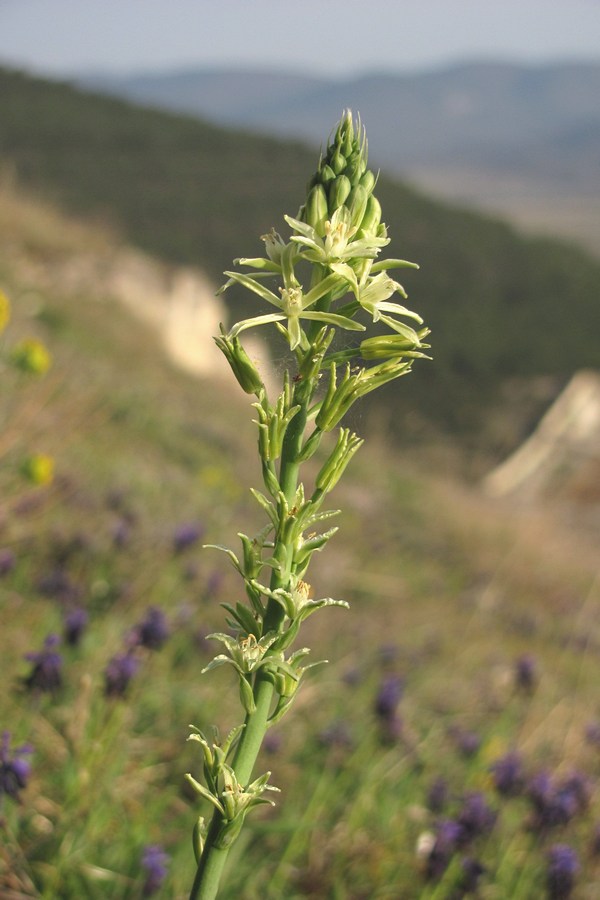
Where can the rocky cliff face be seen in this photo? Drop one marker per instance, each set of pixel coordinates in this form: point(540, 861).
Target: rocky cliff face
point(560, 461)
point(52, 252)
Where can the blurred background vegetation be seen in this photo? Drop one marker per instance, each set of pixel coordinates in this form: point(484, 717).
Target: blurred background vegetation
point(482, 614)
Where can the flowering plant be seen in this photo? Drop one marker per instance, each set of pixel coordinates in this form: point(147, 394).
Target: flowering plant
point(326, 276)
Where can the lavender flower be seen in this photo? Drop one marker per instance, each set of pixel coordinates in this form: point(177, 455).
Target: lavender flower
point(272, 742)
point(74, 625)
point(14, 769)
point(59, 585)
point(472, 870)
point(118, 673)
point(446, 842)
point(388, 697)
point(336, 734)
point(507, 774)
point(46, 674)
point(475, 818)
point(437, 796)
point(186, 535)
point(121, 534)
point(7, 561)
point(154, 861)
point(563, 866)
point(556, 804)
point(386, 703)
point(592, 734)
point(526, 673)
point(467, 742)
point(153, 630)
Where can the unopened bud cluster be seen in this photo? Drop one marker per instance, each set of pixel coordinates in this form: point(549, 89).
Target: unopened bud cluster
point(343, 180)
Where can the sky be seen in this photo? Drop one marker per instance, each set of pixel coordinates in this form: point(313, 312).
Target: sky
point(326, 37)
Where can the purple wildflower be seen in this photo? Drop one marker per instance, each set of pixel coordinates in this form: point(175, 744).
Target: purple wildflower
point(7, 561)
point(336, 734)
point(437, 796)
point(121, 534)
point(526, 673)
point(352, 676)
point(592, 734)
point(14, 769)
point(556, 804)
point(472, 870)
point(446, 842)
point(74, 625)
point(386, 703)
point(475, 818)
point(118, 673)
point(388, 654)
point(214, 583)
point(59, 585)
point(153, 630)
point(467, 742)
point(507, 774)
point(388, 697)
point(46, 674)
point(272, 742)
point(154, 861)
point(186, 535)
point(563, 866)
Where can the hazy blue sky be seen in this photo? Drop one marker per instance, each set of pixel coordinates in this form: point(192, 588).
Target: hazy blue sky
point(324, 36)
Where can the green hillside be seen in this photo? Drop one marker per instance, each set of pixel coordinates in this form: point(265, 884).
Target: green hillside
point(448, 598)
point(500, 306)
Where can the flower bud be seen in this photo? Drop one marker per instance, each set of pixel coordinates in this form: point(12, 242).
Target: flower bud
point(316, 211)
point(333, 468)
point(368, 181)
point(355, 169)
point(242, 366)
point(388, 346)
point(338, 193)
point(357, 204)
point(325, 174)
point(372, 216)
point(338, 163)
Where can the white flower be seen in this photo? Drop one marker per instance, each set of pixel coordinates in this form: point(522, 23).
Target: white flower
point(338, 244)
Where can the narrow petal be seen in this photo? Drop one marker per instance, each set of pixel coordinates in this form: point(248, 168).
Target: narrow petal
point(253, 323)
point(399, 310)
point(258, 262)
point(294, 332)
point(305, 229)
point(320, 289)
point(334, 319)
point(347, 273)
point(248, 282)
point(385, 264)
point(401, 328)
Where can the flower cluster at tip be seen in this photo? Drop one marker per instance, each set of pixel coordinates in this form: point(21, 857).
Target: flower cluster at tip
point(339, 232)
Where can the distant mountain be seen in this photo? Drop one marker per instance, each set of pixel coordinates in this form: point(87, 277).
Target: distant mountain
point(520, 140)
point(481, 113)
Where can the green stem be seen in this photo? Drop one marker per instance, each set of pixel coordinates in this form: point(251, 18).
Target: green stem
point(213, 859)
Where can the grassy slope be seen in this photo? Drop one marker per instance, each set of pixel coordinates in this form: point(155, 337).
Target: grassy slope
point(453, 591)
point(500, 306)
